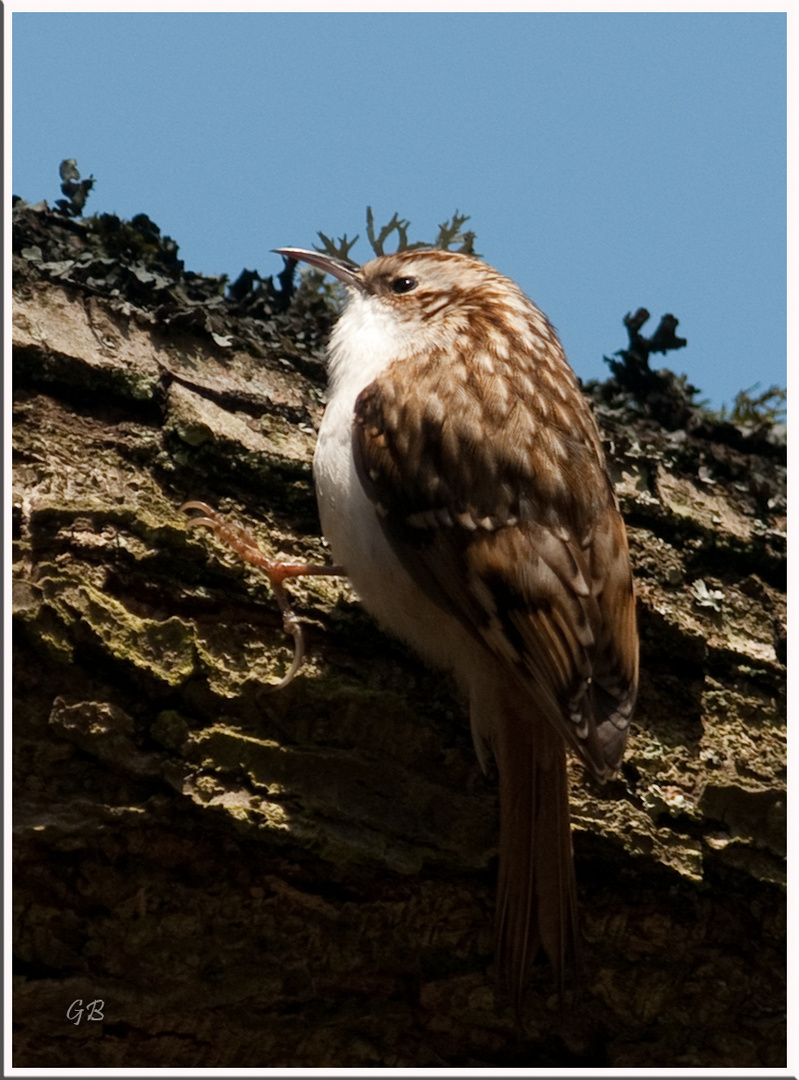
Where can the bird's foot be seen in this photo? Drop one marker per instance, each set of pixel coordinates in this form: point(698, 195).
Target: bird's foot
point(245, 544)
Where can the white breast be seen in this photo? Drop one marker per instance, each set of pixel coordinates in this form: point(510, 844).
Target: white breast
point(364, 342)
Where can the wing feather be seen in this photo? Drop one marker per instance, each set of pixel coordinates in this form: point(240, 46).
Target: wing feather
point(527, 549)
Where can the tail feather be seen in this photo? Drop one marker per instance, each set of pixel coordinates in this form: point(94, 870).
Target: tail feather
point(536, 896)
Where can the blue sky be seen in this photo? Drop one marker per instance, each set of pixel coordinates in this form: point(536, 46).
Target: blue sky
point(608, 161)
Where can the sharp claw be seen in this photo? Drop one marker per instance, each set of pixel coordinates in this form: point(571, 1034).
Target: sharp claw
point(292, 625)
point(204, 521)
point(210, 517)
point(193, 505)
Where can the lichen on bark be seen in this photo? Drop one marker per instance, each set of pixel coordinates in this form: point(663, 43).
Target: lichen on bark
point(306, 878)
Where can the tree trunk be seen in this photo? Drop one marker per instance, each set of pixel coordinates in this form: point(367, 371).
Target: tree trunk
point(226, 876)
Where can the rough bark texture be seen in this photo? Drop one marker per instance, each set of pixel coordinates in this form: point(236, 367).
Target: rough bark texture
point(306, 878)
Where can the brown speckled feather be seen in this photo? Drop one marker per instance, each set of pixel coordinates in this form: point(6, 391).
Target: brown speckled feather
point(521, 539)
point(534, 530)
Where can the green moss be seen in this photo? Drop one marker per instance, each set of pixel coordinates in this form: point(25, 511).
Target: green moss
point(164, 649)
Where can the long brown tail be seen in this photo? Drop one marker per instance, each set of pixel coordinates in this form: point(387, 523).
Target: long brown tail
point(536, 895)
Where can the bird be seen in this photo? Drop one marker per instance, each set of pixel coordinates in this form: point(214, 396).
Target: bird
point(462, 487)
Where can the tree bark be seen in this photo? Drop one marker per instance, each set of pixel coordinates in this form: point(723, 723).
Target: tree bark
point(305, 878)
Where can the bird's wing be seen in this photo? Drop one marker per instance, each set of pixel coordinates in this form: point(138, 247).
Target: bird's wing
point(508, 520)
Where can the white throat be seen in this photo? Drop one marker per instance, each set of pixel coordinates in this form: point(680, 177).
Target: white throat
point(366, 339)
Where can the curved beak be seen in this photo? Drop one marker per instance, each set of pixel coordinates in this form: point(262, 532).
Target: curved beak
point(344, 271)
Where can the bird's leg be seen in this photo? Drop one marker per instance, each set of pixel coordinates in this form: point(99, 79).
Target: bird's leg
point(247, 547)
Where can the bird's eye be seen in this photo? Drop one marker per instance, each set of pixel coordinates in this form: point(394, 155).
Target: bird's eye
point(403, 284)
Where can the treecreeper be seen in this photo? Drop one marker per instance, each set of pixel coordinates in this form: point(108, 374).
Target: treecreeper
point(463, 489)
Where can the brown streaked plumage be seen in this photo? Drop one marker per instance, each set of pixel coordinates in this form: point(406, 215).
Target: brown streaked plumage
point(462, 486)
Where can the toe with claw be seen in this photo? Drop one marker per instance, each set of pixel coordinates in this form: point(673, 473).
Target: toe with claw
point(247, 547)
